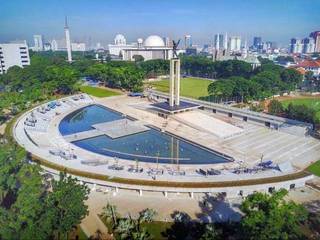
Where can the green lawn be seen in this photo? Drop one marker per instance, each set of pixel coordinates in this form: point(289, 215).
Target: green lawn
point(312, 102)
point(156, 229)
point(98, 92)
point(190, 87)
point(315, 168)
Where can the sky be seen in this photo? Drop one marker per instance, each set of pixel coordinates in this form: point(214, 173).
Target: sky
point(101, 20)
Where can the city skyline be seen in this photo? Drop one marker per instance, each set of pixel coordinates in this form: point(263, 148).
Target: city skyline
point(100, 21)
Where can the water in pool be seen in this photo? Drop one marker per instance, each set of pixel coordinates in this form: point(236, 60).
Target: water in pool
point(149, 146)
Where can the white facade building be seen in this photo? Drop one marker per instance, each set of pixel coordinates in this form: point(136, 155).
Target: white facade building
point(78, 47)
point(13, 54)
point(152, 48)
point(38, 43)
point(235, 44)
point(120, 43)
point(54, 45)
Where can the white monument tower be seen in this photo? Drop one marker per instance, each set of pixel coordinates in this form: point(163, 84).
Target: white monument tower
point(68, 41)
point(174, 97)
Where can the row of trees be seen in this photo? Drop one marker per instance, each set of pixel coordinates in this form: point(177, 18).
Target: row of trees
point(204, 67)
point(32, 208)
point(125, 75)
point(294, 111)
point(128, 228)
point(265, 81)
point(265, 216)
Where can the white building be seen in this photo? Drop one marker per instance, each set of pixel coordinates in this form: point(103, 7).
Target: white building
point(235, 44)
point(119, 44)
point(152, 48)
point(78, 47)
point(38, 43)
point(54, 45)
point(13, 54)
point(47, 46)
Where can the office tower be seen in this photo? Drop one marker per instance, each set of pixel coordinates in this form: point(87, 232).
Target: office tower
point(38, 43)
point(187, 41)
point(316, 36)
point(225, 44)
point(308, 45)
point(13, 54)
point(219, 41)
point(68, 41)
point(235, 43)
point(296, 45)
point(257, 42)
point(167, 41)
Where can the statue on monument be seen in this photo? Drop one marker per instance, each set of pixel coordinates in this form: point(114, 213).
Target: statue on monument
point(175, 46)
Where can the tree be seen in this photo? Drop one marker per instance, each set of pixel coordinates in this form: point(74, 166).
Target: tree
point(221, 88)
point(61, 79)
point(271, 217)
point(210, 232)
point(308, 75)
point(147, 215)
point(275, 107)
point(110, 212)
point(291, 77)
point(66, 204)
point(302, 113)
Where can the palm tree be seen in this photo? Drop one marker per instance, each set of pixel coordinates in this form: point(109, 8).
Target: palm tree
point(125, 228)
point(110, 211)
point(147, 215)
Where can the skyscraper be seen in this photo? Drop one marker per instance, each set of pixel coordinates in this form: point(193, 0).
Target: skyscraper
point(68, 41)
point(296, 45)
point(225, 44)
point(219, 41)
point(316, 36)
point(235, 43)
point(38, 43)
point(257, 41)
point(187, 41)
point(308, 45)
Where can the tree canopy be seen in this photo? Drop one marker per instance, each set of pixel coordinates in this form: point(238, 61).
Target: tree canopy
point(271, 217)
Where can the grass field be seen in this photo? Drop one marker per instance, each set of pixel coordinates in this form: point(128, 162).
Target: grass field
point(190, 87)
point(312, 102)
point(315, 168)
point(98, 92)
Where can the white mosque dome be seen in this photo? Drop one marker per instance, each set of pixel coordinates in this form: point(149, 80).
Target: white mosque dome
point(154, 41)
point(119, 40)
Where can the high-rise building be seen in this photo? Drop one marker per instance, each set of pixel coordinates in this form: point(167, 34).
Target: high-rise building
point(296, 46)
point(257, 42)
point(225, 44)
point(38, 43)
point(187, 41)
point(235, 43)
point(13, 54)
point(68, 40)
point(167, 41)
point(54, 45)
point(219, 42)
point(316, 36)
point(308, 45)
